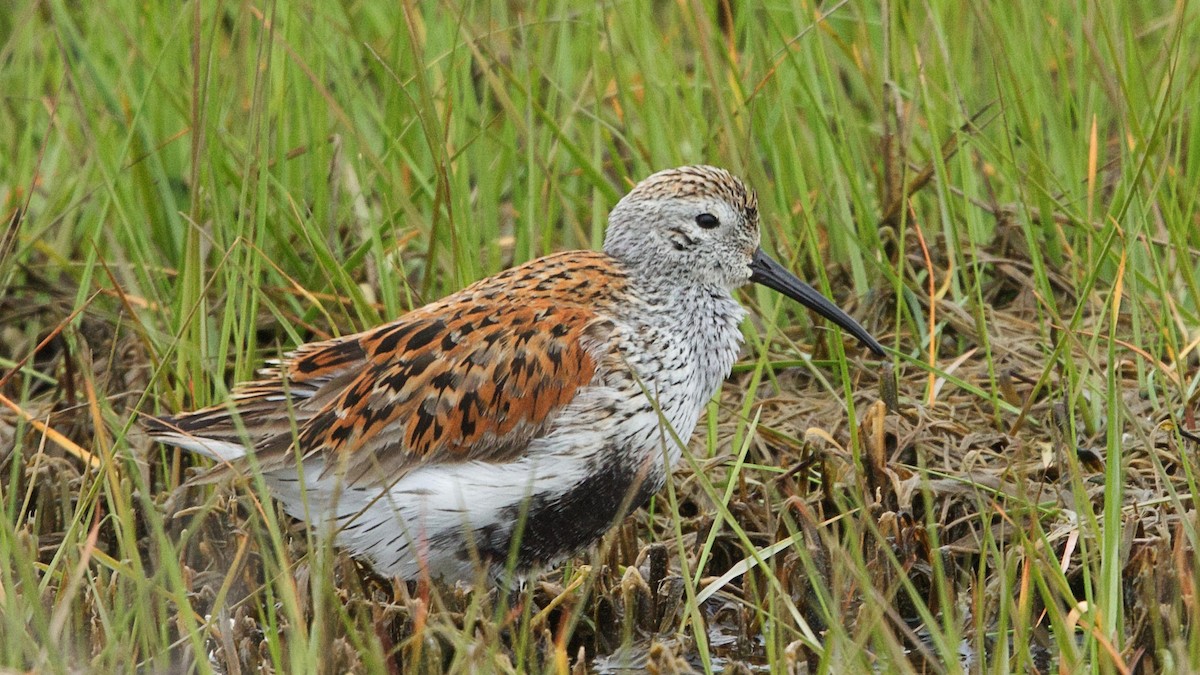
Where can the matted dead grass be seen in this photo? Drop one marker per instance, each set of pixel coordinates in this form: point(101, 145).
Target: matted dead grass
point(947, 498)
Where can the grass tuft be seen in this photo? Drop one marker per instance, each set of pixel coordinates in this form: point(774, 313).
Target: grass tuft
point(1004, 192)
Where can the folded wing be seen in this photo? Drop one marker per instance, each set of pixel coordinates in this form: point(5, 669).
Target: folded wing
point(454, 381)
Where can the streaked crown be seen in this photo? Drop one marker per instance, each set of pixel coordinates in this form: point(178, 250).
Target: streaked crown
point(696, 224)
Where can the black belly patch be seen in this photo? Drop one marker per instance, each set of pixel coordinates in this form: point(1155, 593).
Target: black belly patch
point(552, 528)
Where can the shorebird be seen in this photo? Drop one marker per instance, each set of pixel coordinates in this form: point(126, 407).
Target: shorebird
point(509, 425)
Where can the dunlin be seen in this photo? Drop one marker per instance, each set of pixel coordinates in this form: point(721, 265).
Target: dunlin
point(512, 423)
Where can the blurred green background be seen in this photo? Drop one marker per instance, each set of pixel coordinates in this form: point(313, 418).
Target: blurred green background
point(189, 188)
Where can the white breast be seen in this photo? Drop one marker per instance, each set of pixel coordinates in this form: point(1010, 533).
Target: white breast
point(683, 345)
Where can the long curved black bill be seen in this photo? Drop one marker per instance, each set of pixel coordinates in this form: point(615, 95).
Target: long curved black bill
point(764, 270)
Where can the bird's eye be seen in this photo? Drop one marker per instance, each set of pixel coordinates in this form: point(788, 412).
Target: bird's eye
point(707, 220)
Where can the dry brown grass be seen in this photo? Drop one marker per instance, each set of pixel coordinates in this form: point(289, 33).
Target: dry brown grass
point(948, 497)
